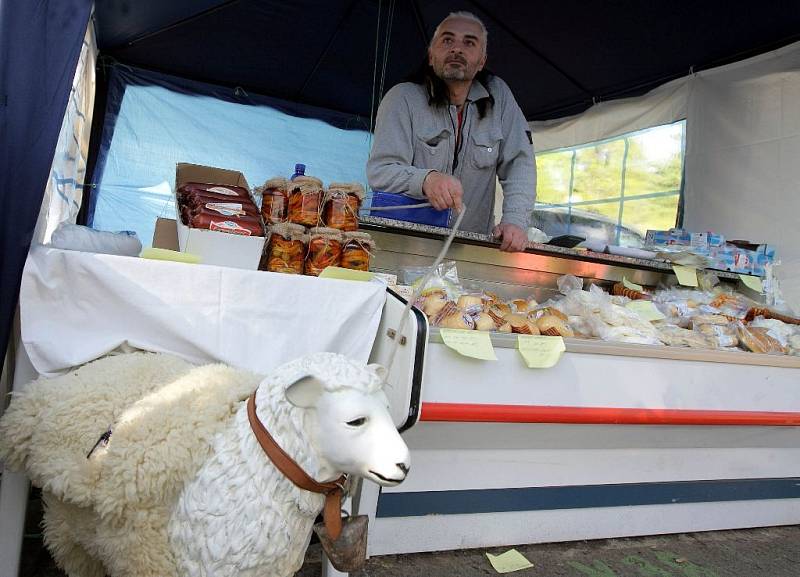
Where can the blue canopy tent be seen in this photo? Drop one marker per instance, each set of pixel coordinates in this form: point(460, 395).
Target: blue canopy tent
point(337, 58)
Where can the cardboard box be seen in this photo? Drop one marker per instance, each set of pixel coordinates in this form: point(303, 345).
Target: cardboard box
point(214, 247)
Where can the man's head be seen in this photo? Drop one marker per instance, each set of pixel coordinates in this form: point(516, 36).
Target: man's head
point(458, 48)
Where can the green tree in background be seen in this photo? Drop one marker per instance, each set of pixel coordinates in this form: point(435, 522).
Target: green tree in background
point(652, 163)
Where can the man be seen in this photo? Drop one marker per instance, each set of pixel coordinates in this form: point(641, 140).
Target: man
point(447, 137)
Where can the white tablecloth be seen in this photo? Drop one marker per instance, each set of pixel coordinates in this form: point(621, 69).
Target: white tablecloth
point(76, 307)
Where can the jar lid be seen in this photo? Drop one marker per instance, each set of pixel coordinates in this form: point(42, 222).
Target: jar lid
point(362, 238)
point(325, 232)
point(348, 188)
point(289, 230)
point(300, 181)
point(276, 182)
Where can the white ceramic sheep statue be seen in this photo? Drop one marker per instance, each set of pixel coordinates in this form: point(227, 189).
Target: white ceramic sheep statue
point(182, 487)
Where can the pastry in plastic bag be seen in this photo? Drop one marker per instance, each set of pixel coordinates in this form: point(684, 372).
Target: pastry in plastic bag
point(554, 326)
point(757, 340)
point(675, 336)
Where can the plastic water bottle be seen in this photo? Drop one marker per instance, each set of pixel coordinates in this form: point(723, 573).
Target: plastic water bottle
point(299, 170)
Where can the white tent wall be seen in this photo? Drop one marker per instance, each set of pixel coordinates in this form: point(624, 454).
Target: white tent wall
point(62, 197)
point(742, 165)
point(743, 156)
point(662, 105)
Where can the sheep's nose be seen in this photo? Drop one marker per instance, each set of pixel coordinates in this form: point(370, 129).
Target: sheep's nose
point(403, 467)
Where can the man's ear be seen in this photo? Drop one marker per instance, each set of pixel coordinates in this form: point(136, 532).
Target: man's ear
point(482, 63)
point(305, 392)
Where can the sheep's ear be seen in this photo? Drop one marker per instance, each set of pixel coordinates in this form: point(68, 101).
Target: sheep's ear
point(305, 392)
point(379, 370)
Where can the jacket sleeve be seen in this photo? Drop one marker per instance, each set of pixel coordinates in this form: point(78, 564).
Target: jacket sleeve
point(389, 166)
point(517, 167)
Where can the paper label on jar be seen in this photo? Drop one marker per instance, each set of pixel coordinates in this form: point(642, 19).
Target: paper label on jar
point(230, 227)
point(226, 208)
point(223, 190)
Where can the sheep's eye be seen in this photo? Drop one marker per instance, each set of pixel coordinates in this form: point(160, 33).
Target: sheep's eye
point(357, 422)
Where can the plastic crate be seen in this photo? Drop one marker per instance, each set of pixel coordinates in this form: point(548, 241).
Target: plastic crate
point(427, 215)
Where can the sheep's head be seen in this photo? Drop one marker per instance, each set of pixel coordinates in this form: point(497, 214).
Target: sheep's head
point(348, 421)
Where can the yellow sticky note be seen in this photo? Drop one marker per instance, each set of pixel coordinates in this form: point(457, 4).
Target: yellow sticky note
point(511, 560)
point(173, 255)
point(646, 310)
point(632, 285)
point(687, 275)
point(752, 282)
point(475, 344)
point(345, 274)
point(539, 351)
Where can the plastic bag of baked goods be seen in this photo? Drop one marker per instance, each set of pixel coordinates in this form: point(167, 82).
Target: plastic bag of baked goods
point(444, 278)
point(324, 250)
point(757, 340)
point(285, 250)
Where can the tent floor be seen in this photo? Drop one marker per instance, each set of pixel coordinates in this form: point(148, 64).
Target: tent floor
point(767, 552)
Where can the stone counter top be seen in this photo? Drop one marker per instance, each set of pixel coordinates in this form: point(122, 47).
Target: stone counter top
point(401, 227)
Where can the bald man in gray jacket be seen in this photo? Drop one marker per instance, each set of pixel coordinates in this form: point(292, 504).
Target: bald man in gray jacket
point(448, 137)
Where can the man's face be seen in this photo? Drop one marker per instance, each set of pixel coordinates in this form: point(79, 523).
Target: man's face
point(457, 52)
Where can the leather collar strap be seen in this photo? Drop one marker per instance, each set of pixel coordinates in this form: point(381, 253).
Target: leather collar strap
point(333, 490)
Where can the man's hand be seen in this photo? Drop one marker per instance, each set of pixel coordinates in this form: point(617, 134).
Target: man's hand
point(443, 191)
point(512, 237)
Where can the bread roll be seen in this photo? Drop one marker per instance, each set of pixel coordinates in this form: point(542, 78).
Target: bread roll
point(553, 326)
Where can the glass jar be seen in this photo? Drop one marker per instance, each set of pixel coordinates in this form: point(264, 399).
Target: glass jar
point(342, 203)
point(305, 201)
point(324, 250)
point(357, 248)
point(274, 201)
point(286, 249)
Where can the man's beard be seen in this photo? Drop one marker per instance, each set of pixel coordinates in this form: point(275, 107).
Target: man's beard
point(462, 72)
point(454, 73)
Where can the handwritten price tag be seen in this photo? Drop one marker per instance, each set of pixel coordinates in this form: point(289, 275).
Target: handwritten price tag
point(752, 282)
point(474, 344)
point(345, 274)
point(632, 285)
point(687, 275)
point(540, 352)
point(646, 310)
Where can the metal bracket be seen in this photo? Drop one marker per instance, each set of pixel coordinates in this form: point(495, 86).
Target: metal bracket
point(392, 334)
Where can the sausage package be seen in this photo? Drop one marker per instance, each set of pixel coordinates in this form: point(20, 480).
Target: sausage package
point(217, 218)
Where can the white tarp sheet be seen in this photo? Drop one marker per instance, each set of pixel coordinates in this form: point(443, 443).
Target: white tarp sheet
point(743, 156)
point(76, 307)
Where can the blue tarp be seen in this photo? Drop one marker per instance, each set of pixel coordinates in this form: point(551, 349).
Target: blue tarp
point(154, 121)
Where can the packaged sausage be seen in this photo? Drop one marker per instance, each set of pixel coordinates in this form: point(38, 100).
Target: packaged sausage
point(357, 248)
point(274, 201)
point(226, 190)
point(305, 201)
point(245, 225)
point(286, 249)
point(342, 202)
point(324, 250)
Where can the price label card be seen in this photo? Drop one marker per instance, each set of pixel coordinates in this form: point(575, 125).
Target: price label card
point(345, 274)
point(646, 310)
point(687, 275)
point(752, 282)
point(632, 285)
point(509, 561)
point(474, 344)
point(173, 255)
point(539, 351)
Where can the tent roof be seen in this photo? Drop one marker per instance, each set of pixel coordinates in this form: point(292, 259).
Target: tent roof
point(556, 56)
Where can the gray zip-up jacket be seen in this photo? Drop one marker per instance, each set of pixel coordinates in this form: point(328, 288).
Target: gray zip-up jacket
point(413, 138)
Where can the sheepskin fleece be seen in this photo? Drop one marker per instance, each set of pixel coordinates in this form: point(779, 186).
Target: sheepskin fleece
point(165, 414)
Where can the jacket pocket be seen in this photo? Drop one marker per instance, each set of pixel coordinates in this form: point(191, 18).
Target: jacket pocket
point(485, 148)
point(430, 150)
